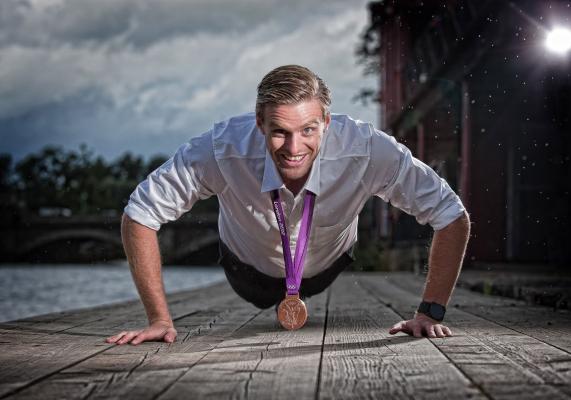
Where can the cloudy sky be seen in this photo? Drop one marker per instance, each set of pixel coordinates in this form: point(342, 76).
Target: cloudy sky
point(146, 75)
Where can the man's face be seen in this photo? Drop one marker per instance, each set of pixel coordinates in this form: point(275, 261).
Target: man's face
point(293, 136)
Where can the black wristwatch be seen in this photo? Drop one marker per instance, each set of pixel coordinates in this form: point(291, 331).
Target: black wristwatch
point(433, 310)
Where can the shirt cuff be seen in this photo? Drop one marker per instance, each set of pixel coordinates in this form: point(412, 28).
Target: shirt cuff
point(448, 215)
point(141, 216)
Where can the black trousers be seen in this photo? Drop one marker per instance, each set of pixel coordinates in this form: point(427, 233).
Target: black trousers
point(263, 290)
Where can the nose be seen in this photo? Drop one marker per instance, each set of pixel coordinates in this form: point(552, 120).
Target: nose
point(292, 143)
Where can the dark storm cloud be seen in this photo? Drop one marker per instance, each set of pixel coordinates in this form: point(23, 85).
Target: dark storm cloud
point(89, 118)
point(26, 23)
point(142, 74)
point(141, 23)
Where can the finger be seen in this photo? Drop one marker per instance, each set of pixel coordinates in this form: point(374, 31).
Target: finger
point(141, 337)
point(439, 331)
point(396, 328)
point(417, 331)
point(127, 338)
point(430, 331)
point(447, 331)
point(148, 335)
point(116, 337)
point(402, 326)
point(113, 339)
point(168, 335)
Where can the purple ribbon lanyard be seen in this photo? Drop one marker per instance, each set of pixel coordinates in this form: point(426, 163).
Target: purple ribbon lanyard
point(294, 268)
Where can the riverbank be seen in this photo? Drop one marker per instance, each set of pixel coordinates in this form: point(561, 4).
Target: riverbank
point(32, 289)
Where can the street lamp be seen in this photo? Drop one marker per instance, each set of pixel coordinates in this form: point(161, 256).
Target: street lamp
point(559, 40)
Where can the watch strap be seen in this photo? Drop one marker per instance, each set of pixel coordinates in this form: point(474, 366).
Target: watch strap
point(433, 310)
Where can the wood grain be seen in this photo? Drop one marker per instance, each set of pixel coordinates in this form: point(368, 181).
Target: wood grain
point(226, 348)
point(362, 360)
point(499, 360)
point(260, 360)
point(35, 351)
point(542, 323)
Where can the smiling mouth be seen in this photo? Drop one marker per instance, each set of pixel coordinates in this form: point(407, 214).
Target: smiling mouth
point(292, 161)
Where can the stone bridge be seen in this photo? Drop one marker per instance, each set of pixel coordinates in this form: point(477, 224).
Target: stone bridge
point(192, 239)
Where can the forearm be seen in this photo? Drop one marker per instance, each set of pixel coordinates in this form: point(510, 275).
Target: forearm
point(142, 250)
point(445, 260)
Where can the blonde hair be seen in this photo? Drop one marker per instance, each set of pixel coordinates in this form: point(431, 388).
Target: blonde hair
point(291, 84)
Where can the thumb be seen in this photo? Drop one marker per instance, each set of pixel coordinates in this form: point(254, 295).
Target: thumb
point(396, 328)
point(170, 335)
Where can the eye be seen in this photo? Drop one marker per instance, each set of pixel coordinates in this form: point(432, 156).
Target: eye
point(309, 130)
point(278, 133)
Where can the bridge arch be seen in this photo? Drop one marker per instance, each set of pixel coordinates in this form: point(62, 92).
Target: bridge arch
point(70, 234)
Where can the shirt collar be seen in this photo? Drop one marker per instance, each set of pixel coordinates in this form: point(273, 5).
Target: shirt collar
point(272, 179)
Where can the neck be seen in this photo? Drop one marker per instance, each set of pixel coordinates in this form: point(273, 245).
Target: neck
point(295, 185)
point(295, 188)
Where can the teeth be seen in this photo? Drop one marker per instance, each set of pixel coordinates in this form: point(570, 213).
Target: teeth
point(293, 158)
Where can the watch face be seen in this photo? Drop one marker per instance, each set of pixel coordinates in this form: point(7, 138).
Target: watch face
point(437, 311)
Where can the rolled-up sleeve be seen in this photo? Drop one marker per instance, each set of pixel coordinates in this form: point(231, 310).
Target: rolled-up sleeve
point(171, 190)
point(410, 185)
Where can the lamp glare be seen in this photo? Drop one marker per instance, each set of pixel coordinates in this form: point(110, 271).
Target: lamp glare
point(559, 40)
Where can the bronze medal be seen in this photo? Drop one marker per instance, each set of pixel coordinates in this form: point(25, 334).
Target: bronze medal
point(292, 312)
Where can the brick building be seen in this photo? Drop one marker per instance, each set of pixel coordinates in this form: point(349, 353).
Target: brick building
point(471, 89)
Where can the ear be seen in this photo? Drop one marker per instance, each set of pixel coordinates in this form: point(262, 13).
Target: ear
point(327, 121)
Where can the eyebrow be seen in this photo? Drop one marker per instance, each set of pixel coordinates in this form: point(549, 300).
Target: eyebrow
point(273, 125)
point(315, 121)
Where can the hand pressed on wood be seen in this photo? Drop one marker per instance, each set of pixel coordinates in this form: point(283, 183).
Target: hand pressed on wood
point(156, 331)
point(421, 325)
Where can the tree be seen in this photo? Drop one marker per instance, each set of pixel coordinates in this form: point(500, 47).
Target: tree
point(5, 171)
point(155, 162)
point(74, 179)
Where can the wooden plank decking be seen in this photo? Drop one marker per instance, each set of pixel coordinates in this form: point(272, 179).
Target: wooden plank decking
point(228, 349)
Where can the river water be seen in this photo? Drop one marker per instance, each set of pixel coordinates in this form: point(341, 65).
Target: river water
point(28, 290)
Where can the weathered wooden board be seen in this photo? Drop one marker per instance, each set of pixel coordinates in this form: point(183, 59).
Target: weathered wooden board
point(143, 371)
point(543, 323)
point(57, 350)
point(227, 348)
point(188, 305)
point(362, 360)
point(105, 320)
point(261, 360)
point(502, 362)
point(26, 357)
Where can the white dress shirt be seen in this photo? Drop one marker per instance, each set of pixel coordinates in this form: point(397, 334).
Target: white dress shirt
point(231, 161)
